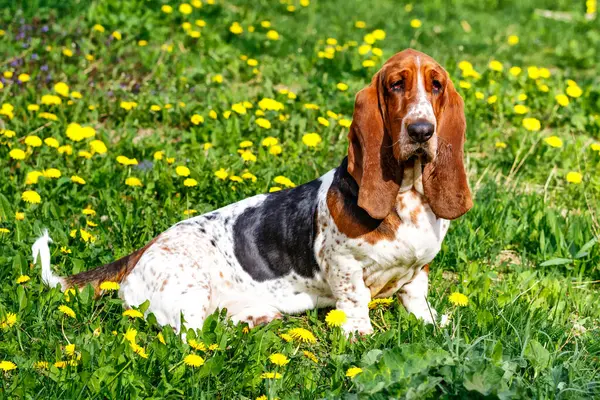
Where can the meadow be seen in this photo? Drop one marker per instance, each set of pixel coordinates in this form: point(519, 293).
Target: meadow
point(120, 118)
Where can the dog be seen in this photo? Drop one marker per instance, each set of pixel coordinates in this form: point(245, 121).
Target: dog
point(364, 230)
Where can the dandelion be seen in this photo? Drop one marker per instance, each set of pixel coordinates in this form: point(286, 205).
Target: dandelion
point(269, 141)
point(275, 150)
point(335, 318)
point(193, 360)
point(77, 179)
point(245, 144)
point(263, 123)
point(515, 71)
point(98, 146)
point(271, 375)
point(52, 142)
point(345, 122)
point(368, 63)
point(117, 35)
point(207, 146)
point(533, 72)
point(574, 91)
point(128, 105)
point(17, 154)
point(132, 181)
point(274, 189)
point(532, 124)
point(235, 178)
point(458, 299)
point(554, 141)
point(4, 230)
point(282, 180)
point(126, 160)
point(130, 335)
point(200, 346)
point(311, 356)
point(562, 99)
point(7, 365)
point(197, 119)
point(68, 311)
point(323, 121)
point(182, 170)
point(70, 349)
point(492, 99)
point(139, 350)
point(513, 40)
point(464, 84)
point(185, 8)
point(496, 65)
point(521, 109)
point(167, 9)
point(302, 335)
point(131, 313)
point(190, 182)
point(8, 133)
point(383, 303)
point(416, 23)
point(311, 139)
point(595, 146)
point(248, 156)
point(41, 365)
point(360, 24)
point(22, 279)
point(31, 197)
point(500, 145)
point(109, 286)
point(272, 35)
point(279, 359)
point(19, 216)
point(161, 338)
point(574, 177)
point(221, 174)
point(236, 28)
point(353, 371)
point(9, 321)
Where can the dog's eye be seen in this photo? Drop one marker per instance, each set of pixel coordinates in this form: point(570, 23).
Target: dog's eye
point(398, 85)
point(437, 86)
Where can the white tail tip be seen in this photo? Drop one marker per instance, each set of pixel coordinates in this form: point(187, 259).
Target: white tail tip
point(40, 248)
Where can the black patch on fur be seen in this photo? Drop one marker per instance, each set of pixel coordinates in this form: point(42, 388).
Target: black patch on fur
point(277, 237)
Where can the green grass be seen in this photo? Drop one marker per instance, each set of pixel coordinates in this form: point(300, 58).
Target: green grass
point(525, 255)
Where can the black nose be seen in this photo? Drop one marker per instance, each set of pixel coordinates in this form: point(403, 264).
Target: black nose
point(420, 131)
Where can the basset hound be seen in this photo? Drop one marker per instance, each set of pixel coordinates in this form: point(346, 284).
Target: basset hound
point(364, 230)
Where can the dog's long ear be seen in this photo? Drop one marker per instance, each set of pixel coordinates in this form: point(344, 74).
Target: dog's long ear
point(370, 159)
point(445, 179)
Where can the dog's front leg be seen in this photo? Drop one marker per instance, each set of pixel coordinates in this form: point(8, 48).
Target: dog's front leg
point(345, 277)
point(414, 297)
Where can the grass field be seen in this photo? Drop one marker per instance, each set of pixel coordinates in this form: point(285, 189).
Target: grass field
point(120, 118)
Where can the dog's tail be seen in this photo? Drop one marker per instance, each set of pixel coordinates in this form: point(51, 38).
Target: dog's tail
point(115, 271)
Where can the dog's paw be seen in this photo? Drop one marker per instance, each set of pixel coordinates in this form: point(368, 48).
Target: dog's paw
point(427, 314)
point(362, 326)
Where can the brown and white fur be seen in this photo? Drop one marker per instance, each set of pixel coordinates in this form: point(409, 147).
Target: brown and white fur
point(366, 229)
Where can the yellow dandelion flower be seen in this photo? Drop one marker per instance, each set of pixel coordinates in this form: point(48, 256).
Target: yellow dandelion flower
point(274, 189)
point(139, 350)
point(190, 182)
point(345, 122)
point(574, 91)
point(248, 156)
point(189, 212)
point(131, 313)
point(236, 28)
point(197, 119)
point(9, 321)
point(19, 216)
point(77, 179)
point(41, 365)
point(311, 356)
point(275, 150)
point(595, 146)
point(282, 180)
point(574, 177)
point(335, 318)
point(562, 100)
point(161, 338)
point(279, 359)
point(500, 145)
point(167, 9)
point(23, 279)
point(193, 360)
point(492, 99)
point(182, 170)
point(416, 23)
point(221, 174)
point(7, 365)
point(249, 176)
point(533, 72)
point(323, 121)
point(353, 371)
point(68, 311)
point(33, 141)
point(70, 349)
point(98, 28)
point(302, 335)
point(200, 346)
point(383, 303)
point(311, 139)
point(117, 35)
point(98, 146)
point(269, 141)
point(31, 197)
point(458, 299)
point(17, 154)
point(513, 40)
point(342, 86)
point(532, 124)
point(271, 375)
point(263, 123)
point(185, 8)
point(368, 63)
point(4, 230)
point(132, 181)
point(272, 35)
point(252, 62)
point(110, 286)
point(554, 141)
point(496, 65)
point(286, 337)
point(130, 335)
point(515, 71)
point(521, 109)
point(360, 24)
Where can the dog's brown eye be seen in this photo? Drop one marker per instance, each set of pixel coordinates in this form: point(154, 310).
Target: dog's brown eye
point(398, 85)
point(437, 86)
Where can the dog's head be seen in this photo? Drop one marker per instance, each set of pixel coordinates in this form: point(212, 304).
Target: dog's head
point(410, 109)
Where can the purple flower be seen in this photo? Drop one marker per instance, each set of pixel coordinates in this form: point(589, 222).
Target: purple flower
point(44, 67)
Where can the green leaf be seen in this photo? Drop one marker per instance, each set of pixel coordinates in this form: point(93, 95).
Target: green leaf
point(556, 261)
point(584, 251)
point(537, 355)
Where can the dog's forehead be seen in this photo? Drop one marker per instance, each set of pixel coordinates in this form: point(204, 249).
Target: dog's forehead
point(410, 59)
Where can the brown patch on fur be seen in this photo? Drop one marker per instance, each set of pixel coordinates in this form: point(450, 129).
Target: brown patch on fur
point(355, 222)
point(221, 274)
point(162, 288)
point(414, 215)
point(115, 271)
point(426, 268)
